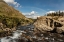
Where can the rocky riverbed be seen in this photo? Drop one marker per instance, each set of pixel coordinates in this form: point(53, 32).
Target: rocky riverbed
point(27, 34)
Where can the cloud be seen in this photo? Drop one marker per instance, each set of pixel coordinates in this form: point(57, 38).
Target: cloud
point(31, 14)
point(62, 11)
point(17, 5)
point(51, 12)
point(54, 11)
point(35, 17)
point(12, 2)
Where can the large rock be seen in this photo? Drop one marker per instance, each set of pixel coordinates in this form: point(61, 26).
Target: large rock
point(44, 28)
point(42, 24)
point(47, 23)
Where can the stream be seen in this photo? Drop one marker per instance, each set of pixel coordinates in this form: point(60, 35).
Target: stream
point(26, 34)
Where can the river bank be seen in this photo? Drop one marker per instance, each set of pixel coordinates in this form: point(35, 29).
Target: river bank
point(27, 34)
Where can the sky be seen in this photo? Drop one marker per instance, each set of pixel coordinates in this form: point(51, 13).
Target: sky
point(35, 8)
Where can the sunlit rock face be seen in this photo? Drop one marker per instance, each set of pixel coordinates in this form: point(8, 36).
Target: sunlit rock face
point(43, 24)
point(48, 23)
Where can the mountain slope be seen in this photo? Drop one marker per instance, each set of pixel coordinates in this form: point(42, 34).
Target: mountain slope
point(7, 10)
point(11, 17)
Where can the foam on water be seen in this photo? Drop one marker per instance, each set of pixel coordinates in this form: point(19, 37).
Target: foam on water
point(14, 38)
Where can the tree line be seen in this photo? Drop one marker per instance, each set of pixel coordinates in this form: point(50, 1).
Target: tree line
point(59, 13)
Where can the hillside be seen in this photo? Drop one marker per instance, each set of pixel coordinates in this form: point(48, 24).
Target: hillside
point(11, 17)
point(7, 10)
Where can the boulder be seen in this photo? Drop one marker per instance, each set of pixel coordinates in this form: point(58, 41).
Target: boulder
point(43, 28)
point(45, 24)
point(42, 24)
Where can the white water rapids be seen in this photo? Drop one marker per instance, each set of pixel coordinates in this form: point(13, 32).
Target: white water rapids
point(16, 35)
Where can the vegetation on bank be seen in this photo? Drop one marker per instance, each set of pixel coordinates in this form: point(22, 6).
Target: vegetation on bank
point(11, 22)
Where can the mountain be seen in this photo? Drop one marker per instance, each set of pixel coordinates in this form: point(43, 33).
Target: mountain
point(10, 17)
point(7, 10)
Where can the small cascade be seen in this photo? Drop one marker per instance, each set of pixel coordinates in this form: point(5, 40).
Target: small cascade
point(16, 35)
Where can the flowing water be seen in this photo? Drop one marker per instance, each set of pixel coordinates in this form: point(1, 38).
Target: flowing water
point(26, 34)
point(16, 35)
